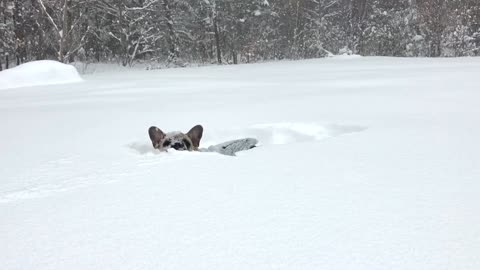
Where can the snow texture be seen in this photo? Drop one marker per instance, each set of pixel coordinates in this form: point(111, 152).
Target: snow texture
point(363, 163)
point(38, 73)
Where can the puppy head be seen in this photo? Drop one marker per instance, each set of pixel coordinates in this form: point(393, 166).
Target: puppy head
point(176, 140)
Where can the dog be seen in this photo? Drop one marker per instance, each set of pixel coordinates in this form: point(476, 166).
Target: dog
point(190, 141)
point(176, 140)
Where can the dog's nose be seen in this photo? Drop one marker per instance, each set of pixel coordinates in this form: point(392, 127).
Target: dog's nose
point(177, 146)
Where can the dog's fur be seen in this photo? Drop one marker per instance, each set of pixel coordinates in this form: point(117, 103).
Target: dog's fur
point(176, 140)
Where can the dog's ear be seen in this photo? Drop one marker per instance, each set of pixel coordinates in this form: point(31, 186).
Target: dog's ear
point(195, 135)
point(156, 135)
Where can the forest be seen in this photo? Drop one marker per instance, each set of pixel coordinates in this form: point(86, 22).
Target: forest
point(180, 32)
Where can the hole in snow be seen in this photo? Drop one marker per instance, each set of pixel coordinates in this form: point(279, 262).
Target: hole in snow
point(266, 134)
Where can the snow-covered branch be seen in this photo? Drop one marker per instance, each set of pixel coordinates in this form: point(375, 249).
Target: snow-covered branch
point(50, 19)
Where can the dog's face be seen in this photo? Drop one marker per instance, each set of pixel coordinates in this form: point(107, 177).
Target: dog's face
point(176, 140)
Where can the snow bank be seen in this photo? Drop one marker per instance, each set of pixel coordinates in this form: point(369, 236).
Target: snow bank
point(38, 73)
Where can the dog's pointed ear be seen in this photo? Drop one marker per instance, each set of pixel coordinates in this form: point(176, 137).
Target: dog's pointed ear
point(195, 134)
point(156, 135)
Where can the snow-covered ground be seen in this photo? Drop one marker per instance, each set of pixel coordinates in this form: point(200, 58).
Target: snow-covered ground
point(364, 163)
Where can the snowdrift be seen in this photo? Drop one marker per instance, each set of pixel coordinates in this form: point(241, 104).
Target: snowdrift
point(38, 73)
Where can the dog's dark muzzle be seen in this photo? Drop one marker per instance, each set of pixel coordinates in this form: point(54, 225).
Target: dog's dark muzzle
point(178, 146)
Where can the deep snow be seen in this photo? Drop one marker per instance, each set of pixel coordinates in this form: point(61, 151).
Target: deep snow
point(364, 163)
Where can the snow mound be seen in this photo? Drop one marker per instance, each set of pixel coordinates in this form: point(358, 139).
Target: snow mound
point(38, 73)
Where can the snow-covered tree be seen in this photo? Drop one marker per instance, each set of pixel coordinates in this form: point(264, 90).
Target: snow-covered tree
point(176, 32)
point(324, 32)
point(386, 28)
point(66, 23)
point(461, 32)
point(7, 36)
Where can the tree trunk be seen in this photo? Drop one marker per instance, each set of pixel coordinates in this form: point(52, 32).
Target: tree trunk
point(3, 7)
point(235, 57)
point(295, 43)
point(358, 12)
point(3, 13)
point(41, 44)
point(64, 38)
point(123, 37)
point(217, 40)
point(171, 37)
point(20, 49)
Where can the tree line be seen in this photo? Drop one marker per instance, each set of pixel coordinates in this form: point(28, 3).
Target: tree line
point(178, 32)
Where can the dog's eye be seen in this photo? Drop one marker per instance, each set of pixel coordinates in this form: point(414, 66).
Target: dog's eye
point(166, 143)
point(187, 144)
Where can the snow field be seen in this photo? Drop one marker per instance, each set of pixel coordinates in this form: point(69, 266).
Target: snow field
point(364, 163)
